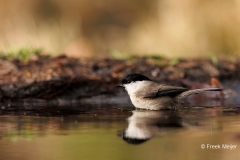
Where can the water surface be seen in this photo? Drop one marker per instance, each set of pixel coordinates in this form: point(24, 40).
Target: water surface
point(120, 133)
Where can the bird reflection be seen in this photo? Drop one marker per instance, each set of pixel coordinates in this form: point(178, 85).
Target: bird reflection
point(145, 124)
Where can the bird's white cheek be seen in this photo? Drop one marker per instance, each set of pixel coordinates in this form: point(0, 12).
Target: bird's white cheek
point(132, 87)
point(128, 88)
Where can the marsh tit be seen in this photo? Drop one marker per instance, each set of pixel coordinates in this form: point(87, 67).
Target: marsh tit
point(147, 94)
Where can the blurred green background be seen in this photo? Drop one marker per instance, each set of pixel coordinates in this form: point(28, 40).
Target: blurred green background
point(85, 28)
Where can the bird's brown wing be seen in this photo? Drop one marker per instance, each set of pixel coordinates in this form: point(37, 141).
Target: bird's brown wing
point(170, 91)
point(155, 90)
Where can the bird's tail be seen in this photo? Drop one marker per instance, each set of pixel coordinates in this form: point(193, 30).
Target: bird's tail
point(196, 91)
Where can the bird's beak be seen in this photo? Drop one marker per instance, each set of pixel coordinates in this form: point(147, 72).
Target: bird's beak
point(119, 85)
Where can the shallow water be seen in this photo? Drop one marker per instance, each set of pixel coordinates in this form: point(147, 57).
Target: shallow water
point(121, 133)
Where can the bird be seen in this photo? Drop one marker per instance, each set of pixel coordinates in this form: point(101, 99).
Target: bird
point(147, 94)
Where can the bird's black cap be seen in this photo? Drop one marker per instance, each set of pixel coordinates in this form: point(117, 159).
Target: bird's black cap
point(132, 78)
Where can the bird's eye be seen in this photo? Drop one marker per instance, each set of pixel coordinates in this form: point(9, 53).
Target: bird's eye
point(124, 81)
